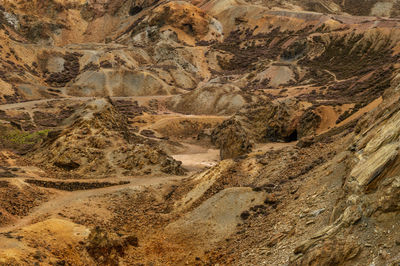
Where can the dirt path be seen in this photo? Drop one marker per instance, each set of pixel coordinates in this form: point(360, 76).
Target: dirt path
point(63, 198)
point(30, 104)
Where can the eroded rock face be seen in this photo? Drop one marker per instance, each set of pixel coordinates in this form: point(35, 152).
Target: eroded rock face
point(370, 193)
point(282, 121)
point(308, 124)
point(232, 139)
point(100, 144)
point(378, 144)
point(369, 8)
point(333, 251)
point(272, 121)
point(221, 99)
point(285, 121)
point(123, 82)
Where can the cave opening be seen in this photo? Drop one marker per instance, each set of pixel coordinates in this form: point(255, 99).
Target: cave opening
point(292, 137)
point(135, 10)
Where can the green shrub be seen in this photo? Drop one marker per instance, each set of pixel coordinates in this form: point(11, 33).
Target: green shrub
point(17, 139)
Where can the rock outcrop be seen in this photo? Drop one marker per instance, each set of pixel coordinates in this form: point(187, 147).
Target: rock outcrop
point(371, 194)
point(232, 139)
point(283, 121)
point(99, 143)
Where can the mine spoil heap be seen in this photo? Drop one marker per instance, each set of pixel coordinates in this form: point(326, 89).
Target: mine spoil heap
point(199, 132)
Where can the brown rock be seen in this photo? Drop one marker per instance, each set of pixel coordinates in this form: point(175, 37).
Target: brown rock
point(232, 139)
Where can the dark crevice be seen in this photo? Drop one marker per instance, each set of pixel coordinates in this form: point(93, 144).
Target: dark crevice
point(188, 28)
point(67, 166)
point(135, 10)
point(292, 136)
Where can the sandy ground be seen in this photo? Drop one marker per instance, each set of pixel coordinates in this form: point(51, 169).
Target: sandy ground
point(197, 158)
point(362, 111)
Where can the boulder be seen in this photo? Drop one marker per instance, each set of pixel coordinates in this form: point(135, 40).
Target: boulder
point(232, 139)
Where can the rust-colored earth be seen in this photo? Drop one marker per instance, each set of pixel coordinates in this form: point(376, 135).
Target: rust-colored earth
point(230, 132)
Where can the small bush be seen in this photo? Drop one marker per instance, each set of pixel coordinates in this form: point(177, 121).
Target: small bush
point(19, 140)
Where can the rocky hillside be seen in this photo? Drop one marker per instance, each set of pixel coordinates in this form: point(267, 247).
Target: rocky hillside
point(202, 132)
point(99, 144)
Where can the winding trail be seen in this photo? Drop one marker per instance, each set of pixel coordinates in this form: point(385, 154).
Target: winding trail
point(30, 104)
point(64, 198)
point(194, 159)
